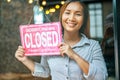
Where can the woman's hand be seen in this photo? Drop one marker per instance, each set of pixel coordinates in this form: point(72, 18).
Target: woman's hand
point(66, 49)
point(19, 54)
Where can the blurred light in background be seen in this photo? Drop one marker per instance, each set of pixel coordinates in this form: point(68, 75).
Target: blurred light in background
point(47, 12)
point(52, 10)
point(57, 6)
point(38, 15)
point(8, 1)
point(44, 2)
point(62, 2)
point(30, 1)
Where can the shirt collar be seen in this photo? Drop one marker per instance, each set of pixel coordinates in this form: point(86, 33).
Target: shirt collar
point(84, 41)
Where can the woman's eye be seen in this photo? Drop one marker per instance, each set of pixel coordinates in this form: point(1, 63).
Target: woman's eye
point(78, 14)
point(67, 13)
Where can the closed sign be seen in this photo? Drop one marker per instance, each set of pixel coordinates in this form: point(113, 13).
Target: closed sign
point(41, 39)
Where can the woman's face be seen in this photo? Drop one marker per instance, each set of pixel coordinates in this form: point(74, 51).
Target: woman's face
point(72, 17)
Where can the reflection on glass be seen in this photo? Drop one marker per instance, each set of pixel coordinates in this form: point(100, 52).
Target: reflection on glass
point(38, 15)
point(96, 28)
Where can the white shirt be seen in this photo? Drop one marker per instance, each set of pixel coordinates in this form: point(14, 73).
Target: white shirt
point(64, 68)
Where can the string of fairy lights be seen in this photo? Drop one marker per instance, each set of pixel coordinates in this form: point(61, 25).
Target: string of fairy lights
point(51, 9)
point(44, 4)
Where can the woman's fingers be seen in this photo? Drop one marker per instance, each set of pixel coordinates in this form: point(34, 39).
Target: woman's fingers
point(19, 54)
point(62, 47)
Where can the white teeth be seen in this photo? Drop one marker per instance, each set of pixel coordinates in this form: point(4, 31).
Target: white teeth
point(71, 24)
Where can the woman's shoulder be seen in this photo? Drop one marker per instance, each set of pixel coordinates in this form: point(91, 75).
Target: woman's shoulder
point(94, 43)
point(93, 40)
point(89, 40)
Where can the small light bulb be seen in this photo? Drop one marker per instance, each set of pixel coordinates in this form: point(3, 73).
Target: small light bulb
point(43, 3)
point(62, 2)
point(57, 6)
point(30, 1)
point(8, 1)
point(47, 12)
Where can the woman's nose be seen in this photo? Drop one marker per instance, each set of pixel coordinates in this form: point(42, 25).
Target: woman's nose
point(71, 17)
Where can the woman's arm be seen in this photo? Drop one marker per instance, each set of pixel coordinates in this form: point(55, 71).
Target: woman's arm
point(94, 70)
point(66, 49)
point(37, 69)
point(83, 64)
point(19, 54)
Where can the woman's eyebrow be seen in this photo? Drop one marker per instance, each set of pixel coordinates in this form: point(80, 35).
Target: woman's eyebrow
point(67, 10)
point(75, 11)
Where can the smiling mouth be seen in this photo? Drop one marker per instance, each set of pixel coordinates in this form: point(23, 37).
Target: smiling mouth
point(71, 24)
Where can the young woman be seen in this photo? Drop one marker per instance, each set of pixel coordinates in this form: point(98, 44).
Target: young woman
point(81, 58)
